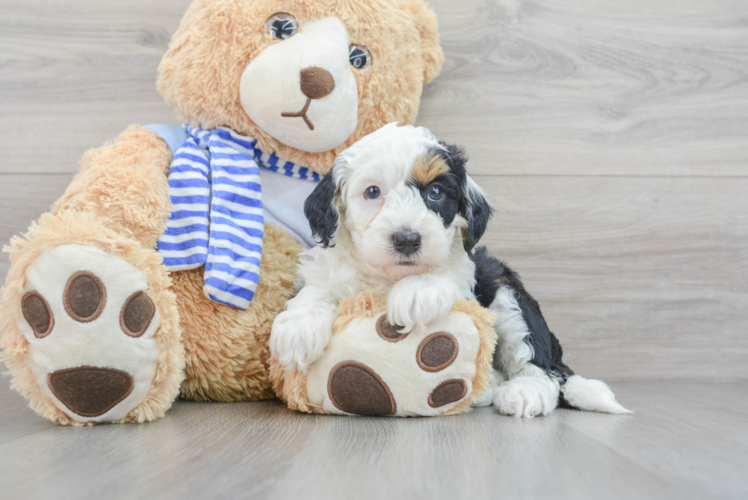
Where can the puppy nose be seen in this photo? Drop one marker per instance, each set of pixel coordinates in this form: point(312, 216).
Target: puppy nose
point(406, 242)
point(316, 83)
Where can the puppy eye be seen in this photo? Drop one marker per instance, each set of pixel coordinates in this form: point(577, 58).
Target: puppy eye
point(436, 194)
point(373, 193)
point(281, 26)
point(360, 57)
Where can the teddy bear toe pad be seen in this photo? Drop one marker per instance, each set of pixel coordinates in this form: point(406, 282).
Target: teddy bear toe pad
point(355, 388)
point(90, 325)
point(426, 372)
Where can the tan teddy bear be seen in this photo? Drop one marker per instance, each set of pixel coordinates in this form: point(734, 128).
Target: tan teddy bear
point(160, 270)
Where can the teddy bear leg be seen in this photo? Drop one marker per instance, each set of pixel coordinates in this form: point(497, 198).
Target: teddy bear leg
point(90, 328)
point(227, 356)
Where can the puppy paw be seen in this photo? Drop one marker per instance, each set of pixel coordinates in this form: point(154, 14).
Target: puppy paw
point(526, 397)
point(300, 336)
point(416, 302)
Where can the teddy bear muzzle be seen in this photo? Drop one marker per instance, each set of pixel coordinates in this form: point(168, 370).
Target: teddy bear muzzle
point(302, 90)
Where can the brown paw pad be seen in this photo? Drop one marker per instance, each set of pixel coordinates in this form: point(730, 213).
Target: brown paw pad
point(90, 392)
point(137, 314)
point(389, 332)
point(355, 388)
point(37, 312)
point(84, 297)
point(437, 352)
point(448, 392)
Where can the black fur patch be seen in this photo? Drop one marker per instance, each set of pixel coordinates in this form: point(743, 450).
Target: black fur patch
point(490, 275)
point(478, 214)
point(472, 206)
point(321, 212)
point(450, 205)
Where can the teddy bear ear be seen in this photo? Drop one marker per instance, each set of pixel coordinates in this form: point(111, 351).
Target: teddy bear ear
point(428, 26)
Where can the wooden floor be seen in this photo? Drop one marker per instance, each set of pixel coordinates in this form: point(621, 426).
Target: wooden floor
point(611, 135)
point(687, 440)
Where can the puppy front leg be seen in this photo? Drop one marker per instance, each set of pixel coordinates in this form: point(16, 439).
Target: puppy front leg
point(301, 333)
point(420, 300)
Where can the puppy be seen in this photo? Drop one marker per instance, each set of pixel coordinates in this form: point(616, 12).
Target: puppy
point(399, 215)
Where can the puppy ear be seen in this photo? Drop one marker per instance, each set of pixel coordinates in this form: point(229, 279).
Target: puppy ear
point(478, 212)
point(428, 28)
point(321, 211)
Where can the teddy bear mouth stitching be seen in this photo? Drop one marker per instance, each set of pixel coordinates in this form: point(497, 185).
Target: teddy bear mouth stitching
point(302, 114)
point(316, 83)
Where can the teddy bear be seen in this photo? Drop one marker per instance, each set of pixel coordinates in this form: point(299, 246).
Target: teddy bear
point(160, 270)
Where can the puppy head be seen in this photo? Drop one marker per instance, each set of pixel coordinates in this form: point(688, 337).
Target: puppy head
point(403, 199)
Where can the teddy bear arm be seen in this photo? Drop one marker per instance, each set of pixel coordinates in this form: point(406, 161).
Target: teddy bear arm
point(125, 184)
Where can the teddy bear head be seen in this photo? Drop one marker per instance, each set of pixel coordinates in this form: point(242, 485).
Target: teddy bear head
point(305, 78)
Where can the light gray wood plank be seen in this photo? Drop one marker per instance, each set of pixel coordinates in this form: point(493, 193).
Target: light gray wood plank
point(76, 74)
point(690, 432)
point(26, 198)
point(594, 87)
point(530, 87)
point(262, 450)
point(16, 419)
point(638, 277)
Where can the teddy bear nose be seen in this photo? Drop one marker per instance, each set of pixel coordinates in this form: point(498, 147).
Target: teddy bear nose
point(316, 82)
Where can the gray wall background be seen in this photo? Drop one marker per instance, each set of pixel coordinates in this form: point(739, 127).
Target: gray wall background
point(611, 136)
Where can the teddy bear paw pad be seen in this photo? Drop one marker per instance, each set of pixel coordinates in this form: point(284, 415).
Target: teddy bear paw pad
point(370, 368)
point(89, 391)
point(90, 325)
point(356, 388)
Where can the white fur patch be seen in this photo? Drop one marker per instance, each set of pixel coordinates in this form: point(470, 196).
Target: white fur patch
point(101, 343)
point(591, 395)
point(529, 394)
point(421, 300)
point(300, 333)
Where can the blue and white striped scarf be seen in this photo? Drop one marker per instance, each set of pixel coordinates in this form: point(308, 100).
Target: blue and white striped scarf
point(217, 218)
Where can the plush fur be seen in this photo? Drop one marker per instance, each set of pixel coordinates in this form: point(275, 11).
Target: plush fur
point(89, 229)
point(225, 348)
point(119, 202)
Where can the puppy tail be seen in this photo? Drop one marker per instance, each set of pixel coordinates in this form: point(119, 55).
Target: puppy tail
point(591, 395)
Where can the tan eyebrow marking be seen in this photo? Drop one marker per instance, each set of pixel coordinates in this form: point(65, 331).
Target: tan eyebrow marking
point(427, 169)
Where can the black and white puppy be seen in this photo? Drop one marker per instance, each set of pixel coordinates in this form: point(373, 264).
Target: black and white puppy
point(399, 215)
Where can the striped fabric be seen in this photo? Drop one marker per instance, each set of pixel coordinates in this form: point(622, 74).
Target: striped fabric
point(217, 218)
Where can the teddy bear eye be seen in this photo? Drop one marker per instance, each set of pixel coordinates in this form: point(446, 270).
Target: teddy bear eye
point(360, 57)
point(282, 25)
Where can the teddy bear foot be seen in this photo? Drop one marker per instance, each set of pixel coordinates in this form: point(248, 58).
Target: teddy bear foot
point(92, 336)
point(371, 368)
point(91, 327)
